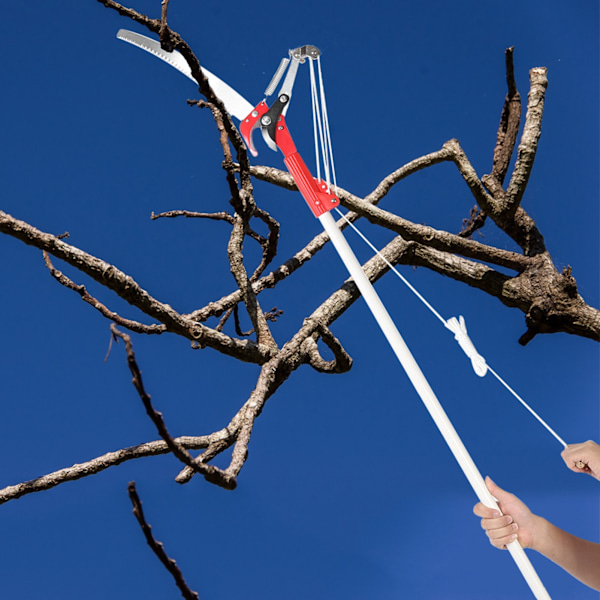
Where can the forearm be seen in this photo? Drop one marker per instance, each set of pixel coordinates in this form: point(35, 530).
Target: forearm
point(579, 557)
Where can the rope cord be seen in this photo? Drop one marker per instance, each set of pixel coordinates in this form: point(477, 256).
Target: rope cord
point(324, 155)
point(323, 147)
point(458, 327)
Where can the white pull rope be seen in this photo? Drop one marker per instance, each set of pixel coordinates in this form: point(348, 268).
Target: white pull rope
point(459, 328)
point(400, 348)
point(316, 118)
point(527, 406)
point(323, 147)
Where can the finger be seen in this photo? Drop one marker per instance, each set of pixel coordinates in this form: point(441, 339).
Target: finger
point(485, 512)
point(502, 542)
point(575, 458)
point(493, 487)
point(500, 526)
point(502, 496)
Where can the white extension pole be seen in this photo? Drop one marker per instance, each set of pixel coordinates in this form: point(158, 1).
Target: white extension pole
point(426, 393)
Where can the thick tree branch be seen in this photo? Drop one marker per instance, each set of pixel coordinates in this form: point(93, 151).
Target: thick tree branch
point(529, 140)
point(126, 287)
point(440, 240)
point(428, 236)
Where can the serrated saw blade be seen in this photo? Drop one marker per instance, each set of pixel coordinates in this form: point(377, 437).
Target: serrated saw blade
point(235, 103)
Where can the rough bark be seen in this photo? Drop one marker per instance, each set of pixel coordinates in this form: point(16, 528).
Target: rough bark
point(549, 299)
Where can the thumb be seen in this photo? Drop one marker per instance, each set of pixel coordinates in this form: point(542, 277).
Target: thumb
point(496, 491)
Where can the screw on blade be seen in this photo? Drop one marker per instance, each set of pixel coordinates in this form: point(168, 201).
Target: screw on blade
point(277, 77)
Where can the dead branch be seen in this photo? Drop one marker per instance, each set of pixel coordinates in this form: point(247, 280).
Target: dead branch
point(548, 299)
point(129, 290)
point(211, 473)
point(508, 130)
point(171, 214)
point(104, 311)
point(157, 547)
point(529, 140)
point(101, 463)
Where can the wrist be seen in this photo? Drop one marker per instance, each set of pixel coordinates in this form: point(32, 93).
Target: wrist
point(541, 537)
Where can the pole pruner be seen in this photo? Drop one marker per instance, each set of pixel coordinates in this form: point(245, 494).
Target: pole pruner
point(321, 199)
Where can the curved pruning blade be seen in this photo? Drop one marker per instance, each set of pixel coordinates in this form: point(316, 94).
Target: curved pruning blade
point(235, 103)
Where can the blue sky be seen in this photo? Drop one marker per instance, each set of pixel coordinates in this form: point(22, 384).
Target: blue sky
point(349, 491)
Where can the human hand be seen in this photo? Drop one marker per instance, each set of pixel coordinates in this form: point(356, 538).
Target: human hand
point(583, 458)
point(516, 521)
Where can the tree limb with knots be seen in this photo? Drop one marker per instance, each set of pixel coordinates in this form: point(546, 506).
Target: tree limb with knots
point(526, 280)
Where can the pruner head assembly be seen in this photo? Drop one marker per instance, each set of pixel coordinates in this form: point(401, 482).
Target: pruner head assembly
point(268, 118)
point(304, 52)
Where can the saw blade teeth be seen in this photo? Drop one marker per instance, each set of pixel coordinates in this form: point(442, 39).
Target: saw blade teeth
point(174, 59)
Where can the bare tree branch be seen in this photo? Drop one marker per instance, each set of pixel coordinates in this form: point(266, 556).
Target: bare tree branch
point(157, 547)
point(99, 464)
point(508, 129)
point(342, 361)
point(529, 140)
point(211, 473)
point(170, 214)
point(109, 314)
point(126, 287)
point(428, 236)
point(548, 299)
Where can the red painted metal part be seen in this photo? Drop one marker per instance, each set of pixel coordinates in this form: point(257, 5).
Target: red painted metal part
point(250, 123)
point(316, 192)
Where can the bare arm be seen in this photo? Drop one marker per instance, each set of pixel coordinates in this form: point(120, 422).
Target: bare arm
point(579, 557)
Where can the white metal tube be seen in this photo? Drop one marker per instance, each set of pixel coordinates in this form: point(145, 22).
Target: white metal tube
point(427, 395)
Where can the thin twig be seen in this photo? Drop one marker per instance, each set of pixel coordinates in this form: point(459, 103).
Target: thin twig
point(157, 547)
point(211, 473)
point(476, 221)
point(109, 314)
point(170, 214)
point(101, 463)
point(164, 33)
point(269, 245)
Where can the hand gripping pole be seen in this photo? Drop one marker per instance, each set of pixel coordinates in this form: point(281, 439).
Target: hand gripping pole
point(427, 395)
